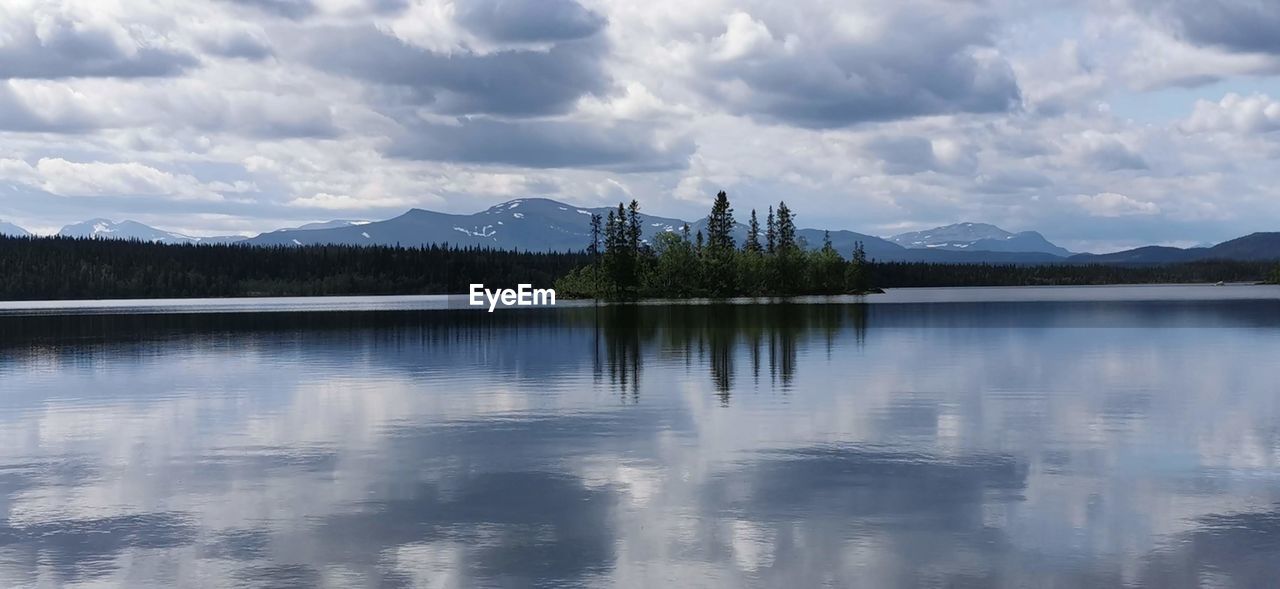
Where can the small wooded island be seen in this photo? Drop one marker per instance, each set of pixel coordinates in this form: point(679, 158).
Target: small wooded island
point(771, 262)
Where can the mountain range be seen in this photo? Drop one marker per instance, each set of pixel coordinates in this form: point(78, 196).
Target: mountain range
point(12, 230)
point(978, 237)
point(540, 224)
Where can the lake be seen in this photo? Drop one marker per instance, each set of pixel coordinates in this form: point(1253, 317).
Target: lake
point(1049, 437)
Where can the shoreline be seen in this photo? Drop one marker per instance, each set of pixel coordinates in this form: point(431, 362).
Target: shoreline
point(1133, 293)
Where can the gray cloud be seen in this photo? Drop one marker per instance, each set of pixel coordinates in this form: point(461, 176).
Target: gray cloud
point(15, 115)
point(290, 9)
point(510, 83)
point(904, 155)
point(1247, 26)
point(542, 144)
point(529, 20)
point(1114, 156)
point(922, 67)
point(238, 44)
point(65, 48)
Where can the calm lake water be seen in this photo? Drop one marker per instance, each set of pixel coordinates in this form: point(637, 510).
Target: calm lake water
point(1067, 437)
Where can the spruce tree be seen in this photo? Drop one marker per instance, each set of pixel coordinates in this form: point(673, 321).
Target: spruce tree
point(634, 230)
point(771, 232)
point(594, 247)
point(786, 228)
point(720, 225)
point(753, 235)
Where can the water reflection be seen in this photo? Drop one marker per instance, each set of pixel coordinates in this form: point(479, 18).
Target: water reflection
point(976, 444)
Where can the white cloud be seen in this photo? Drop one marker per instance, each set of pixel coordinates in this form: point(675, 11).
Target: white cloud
point(1235, 114)
point(1110, 204)
point(65, 178)
point(61, 177)
point(344, 202)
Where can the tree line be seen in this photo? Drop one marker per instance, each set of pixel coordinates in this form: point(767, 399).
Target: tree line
point(772, 261)
point(62, 268)
point(924, 274)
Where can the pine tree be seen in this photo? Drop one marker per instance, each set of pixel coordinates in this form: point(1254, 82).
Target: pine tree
point(720, 225)
point(753, 235)
point(771, 232)
point(633, 228)
point(786, 228)
point(594, 248)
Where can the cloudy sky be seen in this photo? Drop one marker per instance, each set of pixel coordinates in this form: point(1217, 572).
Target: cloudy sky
point(1101, 123)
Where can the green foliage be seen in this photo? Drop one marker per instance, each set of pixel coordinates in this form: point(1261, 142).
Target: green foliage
point(1275, 275)
point(826, 270)
point(676, 271)
point(857, 278)
point(711, 265)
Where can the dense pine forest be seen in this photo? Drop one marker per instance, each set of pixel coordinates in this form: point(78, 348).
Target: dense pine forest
point(54, 268)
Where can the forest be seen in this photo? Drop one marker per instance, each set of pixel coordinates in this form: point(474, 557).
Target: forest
point(59, 268)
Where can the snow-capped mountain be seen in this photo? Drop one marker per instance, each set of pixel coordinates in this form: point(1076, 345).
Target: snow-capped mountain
point(977, 237)
point(12, 230)
point(133, 230)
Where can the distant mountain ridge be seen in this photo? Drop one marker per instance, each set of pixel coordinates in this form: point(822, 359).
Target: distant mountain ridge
point(13, 230)
point(107, 229)
point(978, 237)
point(1255, 247)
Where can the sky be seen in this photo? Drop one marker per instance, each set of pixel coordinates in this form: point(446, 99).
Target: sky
point(1103, 124)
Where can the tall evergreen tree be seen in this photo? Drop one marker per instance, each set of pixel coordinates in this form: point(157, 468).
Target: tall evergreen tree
point(753, 234)
point(720, 272)
point(634, 229)
point(786, 228)
point(594, 248)
point(720, 225)
point(771, 232)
